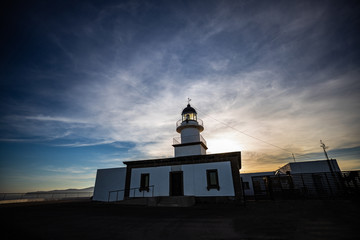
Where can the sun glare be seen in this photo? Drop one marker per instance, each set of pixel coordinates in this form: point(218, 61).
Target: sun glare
point(223, 145)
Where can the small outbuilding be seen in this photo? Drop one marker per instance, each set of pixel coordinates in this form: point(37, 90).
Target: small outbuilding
point(320, 178)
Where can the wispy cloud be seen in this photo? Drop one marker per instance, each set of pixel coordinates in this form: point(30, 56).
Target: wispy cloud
point(68, 170)
point(56, 119)
point(82, 144)
point(286, 73)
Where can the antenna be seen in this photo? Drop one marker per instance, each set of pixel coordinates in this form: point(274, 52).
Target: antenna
point(323, 146)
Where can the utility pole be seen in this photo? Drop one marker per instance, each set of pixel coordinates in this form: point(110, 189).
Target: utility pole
point(324, 147)
point(293, 157)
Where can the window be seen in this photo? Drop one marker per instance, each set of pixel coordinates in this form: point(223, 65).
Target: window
point(189, 116)
point(212, 179)
point(144, 182)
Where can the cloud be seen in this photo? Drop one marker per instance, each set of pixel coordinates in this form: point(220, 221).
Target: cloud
point(82, 144)
point(265, 71)
point(68, 170)
point(119, 108)
point(56, 119)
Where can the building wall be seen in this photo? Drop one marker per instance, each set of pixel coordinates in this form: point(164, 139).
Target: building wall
point(311, 167)
point(109, 180)
point(194, 179)
point(159, 177)
point(248, 177)
point(189, 135)
point(189, 150)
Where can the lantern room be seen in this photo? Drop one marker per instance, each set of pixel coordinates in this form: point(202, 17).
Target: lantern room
point(189, 113)
point(189, 119)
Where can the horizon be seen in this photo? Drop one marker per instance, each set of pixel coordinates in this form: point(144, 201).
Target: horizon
point(86, 86)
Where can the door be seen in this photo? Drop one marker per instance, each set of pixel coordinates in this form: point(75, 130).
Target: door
point(176, 184)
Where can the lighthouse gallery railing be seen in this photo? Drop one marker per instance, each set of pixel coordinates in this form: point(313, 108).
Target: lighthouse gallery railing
point(199, 122)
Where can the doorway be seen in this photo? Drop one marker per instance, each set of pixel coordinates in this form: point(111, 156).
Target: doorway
point(176, 184)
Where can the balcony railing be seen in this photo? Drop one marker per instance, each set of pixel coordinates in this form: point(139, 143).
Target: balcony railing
point(189, 139)
point(199, 122)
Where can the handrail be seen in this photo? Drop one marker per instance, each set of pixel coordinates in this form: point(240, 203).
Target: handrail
point(202, 139)
point(130, 189)
point(199, 122)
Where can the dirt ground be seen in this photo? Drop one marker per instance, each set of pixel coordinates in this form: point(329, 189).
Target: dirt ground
point(293, 219)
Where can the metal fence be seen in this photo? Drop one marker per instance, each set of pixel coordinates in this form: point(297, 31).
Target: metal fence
point(307, 185)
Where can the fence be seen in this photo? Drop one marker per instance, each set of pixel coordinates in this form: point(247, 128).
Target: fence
point(195, 122)
point(307, 185)
point(45, 195)
point(352, 181)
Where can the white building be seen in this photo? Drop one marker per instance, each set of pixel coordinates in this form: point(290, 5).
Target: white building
point(190, 173)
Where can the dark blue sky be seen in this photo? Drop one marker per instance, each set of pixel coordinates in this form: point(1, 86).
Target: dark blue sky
point(88, 84)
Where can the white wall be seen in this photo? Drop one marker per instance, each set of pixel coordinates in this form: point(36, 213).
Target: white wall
point(109, 180)
point(189, 150)
point(194, 176)
point(159, 176)
point(195, 180)
point(189, 135)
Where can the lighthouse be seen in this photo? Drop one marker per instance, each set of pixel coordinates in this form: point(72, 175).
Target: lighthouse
point(191, 174)
point(190, 141)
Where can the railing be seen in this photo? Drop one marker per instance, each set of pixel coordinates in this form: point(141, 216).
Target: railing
point(188, 139)
point(133, 190)
point(199, 122)
point(44, 195)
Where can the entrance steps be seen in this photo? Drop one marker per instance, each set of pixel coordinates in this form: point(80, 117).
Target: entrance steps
point(178, 201)
point(134, 201)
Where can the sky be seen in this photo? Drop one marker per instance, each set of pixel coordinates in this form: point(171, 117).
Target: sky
point(86, 85)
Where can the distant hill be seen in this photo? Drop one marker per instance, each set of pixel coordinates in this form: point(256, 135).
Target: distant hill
point(72, 190)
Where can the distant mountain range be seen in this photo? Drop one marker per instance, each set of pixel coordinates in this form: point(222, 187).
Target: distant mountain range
point(72, 190)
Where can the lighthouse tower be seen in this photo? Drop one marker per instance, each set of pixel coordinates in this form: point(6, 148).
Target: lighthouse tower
point(191, 142)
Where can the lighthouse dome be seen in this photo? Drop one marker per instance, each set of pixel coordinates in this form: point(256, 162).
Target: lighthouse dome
point(188, 109)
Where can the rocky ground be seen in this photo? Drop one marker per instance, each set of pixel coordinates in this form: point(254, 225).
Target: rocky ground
point(295, 219)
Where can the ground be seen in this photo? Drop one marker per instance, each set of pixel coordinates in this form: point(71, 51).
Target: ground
point(295, 219)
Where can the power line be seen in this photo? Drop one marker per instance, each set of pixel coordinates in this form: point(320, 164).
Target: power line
point(244, 132)
point(256, 138)
point(305, 155)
